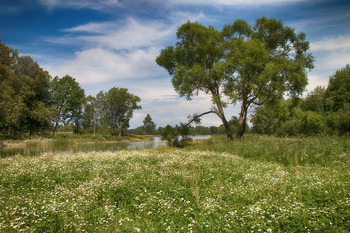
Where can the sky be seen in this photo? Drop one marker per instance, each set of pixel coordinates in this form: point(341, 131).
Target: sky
point(114, 43)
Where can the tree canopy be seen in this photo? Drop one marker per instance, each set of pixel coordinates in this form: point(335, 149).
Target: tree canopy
point(148, 125)
point(249, 64)
point(67, 97)
point(24, 92)
point(30, 101)
point(116, 108)
point(324, 110)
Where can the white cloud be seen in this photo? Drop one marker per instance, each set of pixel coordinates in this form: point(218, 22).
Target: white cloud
point(90, 4)
point(92, 27)
point(331, 43)
point(232, 2)
point(316, 80)
point(99, 65)
point(332, 60)
point(331, 54)
point(173, 110)
point(133, 34)
point(108, 4)
point(117, 50)
point(129, 34)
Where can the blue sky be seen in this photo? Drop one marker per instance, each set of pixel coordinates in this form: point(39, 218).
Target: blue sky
point(113, 43)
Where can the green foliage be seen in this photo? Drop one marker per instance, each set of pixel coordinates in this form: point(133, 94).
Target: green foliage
point(115, 109)
point(31, 102)
point(177, 136)
point(34, 91)
point(253, 64)
point(268, 118)
point(302, 123)
point(148, 125)
point(324, 110)
point(338, 91)
point(67, 98)
point(315, 100)
point(24, 94)
point(195, 64)
point(339, 121)
point(89, 114)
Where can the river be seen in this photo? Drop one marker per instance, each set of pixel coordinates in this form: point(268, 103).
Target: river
point(33, 149)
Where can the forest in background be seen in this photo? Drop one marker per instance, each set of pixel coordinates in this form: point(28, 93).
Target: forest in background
point(31, 102)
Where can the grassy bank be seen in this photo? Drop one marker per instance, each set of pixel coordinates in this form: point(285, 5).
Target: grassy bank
point(70, 138)
point(211, 187)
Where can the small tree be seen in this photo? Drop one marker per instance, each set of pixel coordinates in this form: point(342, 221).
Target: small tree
point(148, 125)
point(172, 135)
point(34, 83)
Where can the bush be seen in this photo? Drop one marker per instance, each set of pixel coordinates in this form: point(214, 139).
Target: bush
point(312, 123)
point(176, 137)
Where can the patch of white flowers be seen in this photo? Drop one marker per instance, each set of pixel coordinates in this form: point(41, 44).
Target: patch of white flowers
point(175, 190)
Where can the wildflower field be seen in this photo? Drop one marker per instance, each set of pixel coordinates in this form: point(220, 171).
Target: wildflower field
point(259, 184)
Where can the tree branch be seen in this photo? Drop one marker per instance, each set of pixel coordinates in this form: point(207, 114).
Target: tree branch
point(195, 116)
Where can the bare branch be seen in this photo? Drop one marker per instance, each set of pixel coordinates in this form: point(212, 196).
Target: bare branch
point(196, 116)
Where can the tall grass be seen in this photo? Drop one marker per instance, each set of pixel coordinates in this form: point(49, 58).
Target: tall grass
point(320, 150)
point(216, 188)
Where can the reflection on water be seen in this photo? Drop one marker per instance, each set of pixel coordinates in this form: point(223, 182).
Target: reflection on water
point(32, 149)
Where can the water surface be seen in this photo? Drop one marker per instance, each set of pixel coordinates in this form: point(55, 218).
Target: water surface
point(35, 148)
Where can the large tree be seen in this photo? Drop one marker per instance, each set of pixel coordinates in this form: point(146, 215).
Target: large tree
point(33, 88)
point(264, 61)
point(89, 113)
point(67, 98)
point(195, 64)
point(8, 97)
point(116, 109)
point(249, 64)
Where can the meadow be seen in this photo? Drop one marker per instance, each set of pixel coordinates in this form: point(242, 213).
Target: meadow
point(258, 184)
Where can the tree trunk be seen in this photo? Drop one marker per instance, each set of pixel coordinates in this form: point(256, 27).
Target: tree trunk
point(56, 125)
point(121, 128)
point(94, 121)
point(55, 128)
point(31, 126)
point(227, 129)
point(242, 121)
point(76, 127)
point(20, 129)
point(224, 121)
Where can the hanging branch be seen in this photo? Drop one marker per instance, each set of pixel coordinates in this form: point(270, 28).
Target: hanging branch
point(196, 117)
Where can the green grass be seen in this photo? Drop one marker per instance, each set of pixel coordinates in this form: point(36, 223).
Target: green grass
point(281, 185)
point(99, 137)
point(318, 150)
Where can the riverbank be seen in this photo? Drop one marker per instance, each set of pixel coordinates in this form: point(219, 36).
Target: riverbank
point(73, 139)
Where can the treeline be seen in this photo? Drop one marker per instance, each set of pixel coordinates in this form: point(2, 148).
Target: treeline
point(33, 102)
point(323, 111)
point(149, 128)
